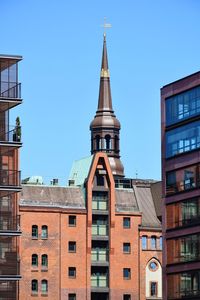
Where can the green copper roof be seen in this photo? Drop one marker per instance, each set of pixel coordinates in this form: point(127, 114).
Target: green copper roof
point(80, 170)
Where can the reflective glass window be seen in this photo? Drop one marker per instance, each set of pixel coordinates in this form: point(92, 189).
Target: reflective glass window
point(183, 139)
point(183, 106)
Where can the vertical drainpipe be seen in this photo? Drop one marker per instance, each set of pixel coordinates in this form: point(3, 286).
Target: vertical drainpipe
point(60, 253)
point(139, 263)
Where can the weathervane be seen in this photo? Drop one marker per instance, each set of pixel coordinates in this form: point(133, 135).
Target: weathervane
point(106, 25)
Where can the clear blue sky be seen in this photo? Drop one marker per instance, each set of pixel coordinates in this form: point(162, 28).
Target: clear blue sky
point(151, 43)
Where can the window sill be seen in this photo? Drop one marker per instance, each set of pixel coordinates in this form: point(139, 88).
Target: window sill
point(44, 295)
point(34, 294)
point(44, 238)
point(44, 270)
point(34, 269)
point(34, 238)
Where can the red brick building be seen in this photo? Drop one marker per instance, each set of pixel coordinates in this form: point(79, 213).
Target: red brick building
point(99, 238)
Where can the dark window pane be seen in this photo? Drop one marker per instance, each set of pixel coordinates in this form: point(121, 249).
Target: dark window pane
point(72, 247)
point(44, 232)
point(127, 273)
point(126, 247)
point(72, 272)
point(35, 231)
point(153, 291)
point(72, 220)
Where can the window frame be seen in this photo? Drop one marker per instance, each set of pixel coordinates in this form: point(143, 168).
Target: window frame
point(156, 285)
point(44, 257)
point(72, 269)
point(34, 257)
point(44, 282)
point(72, 243)
point(128, 225)
point(128, 270)
point(44, 232)
point(72, 296)
point(34, 235)
point(34, 290)
point(128, 245)
point(72, 217)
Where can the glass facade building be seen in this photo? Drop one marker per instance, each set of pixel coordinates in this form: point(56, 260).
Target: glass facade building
point(180, 122)
point(10, 142)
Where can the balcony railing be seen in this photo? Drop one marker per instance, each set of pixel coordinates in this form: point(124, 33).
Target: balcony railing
point(181, 186)
point(10, 178)
point(8, 290)
point(186, 294)
point(9, 223)
point(100, 255)
point(10, 90)
point(99, 281)
point(99, 230)
point(11, 135)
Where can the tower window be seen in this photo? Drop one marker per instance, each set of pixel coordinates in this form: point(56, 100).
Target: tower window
point(72, 221)
point(116, 143)
point(34, 231)
point(108, 142)
point(100, 180)
point(97, 139)
point(44, 232)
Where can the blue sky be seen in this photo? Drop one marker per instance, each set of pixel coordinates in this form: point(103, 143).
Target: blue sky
point(150, 44)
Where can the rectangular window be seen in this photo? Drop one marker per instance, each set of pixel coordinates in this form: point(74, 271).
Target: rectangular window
point(127, 273)
point(153, 242)
point(144, 242)
point(72, 246)
point(127, 297)
point(183, 139)
point(126, 247)
point(161, 242)
point(72, 297)
point(153, 289)
point(72, 221)
point(183, 106)
point(126, 222)
point(72, 272)
point(182, 179)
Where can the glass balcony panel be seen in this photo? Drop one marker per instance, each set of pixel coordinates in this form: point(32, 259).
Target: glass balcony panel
point(9, 178)
point(99, 205)
point(100, 230)
point(10, 90)
point(9, 223)
point(100, 255)
point(99, 281)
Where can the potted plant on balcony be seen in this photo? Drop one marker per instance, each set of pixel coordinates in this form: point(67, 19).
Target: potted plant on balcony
point(17, 131)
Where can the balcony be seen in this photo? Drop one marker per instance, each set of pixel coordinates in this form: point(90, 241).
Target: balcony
point(9, 224)
point(99, 256)
point(9, 263)
point(10, 178)
point(10, 90)
point(11, 135)
point(99, 281)
point(100, 231)
point(185, 294)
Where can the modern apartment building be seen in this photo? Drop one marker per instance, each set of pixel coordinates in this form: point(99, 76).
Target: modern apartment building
point(10, 142)
point(180, 106)
point(100, 237)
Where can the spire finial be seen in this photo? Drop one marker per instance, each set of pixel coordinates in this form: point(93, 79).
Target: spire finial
point(105, 25)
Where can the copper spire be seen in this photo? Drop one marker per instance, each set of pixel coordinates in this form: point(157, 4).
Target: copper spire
point(105, 127)
point(105, 99)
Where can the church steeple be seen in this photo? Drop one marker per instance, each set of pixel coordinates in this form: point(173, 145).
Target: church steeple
point(105, 127)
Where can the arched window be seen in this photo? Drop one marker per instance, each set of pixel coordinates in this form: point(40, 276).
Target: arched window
point(35, 231)
point(97, 139)
point(108, 142)
point(34, 260)
point(153, 242)
point(34, 286)
point(144, 242)
point(44, 287)
point(116, 143)
point(44, 261)
point(44, 232)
